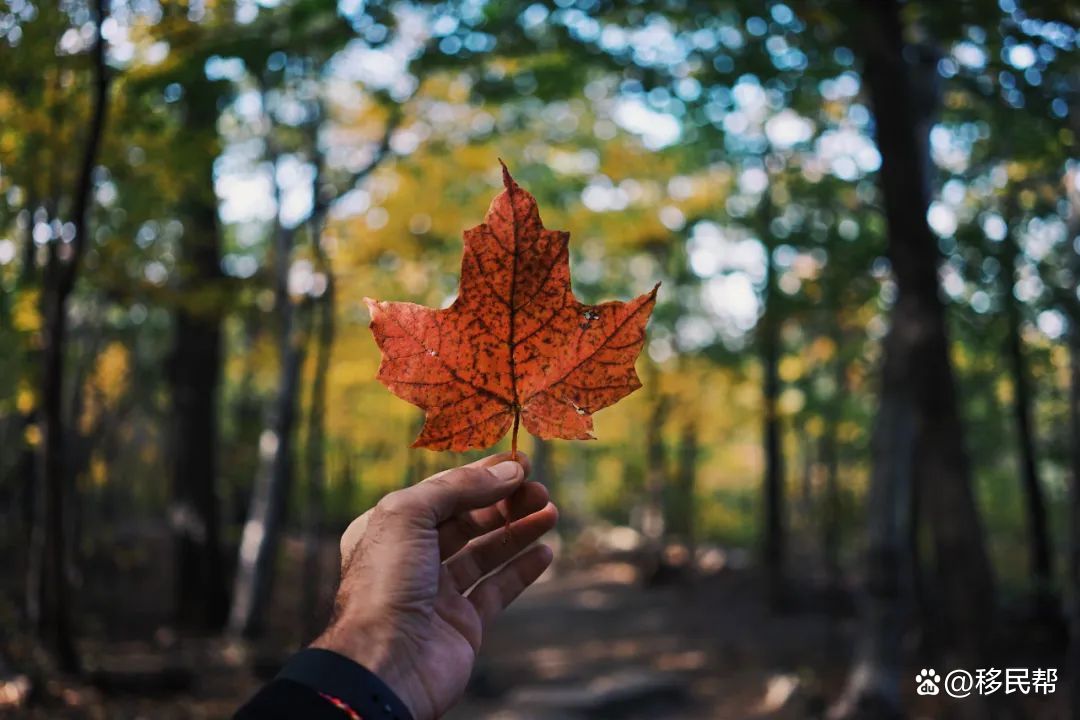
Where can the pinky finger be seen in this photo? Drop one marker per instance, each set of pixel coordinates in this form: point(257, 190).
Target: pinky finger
point(492, 595)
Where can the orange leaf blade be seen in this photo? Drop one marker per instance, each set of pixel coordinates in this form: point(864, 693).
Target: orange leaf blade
point(515, 342)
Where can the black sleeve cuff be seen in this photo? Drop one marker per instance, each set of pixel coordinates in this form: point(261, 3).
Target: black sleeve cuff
point(287, 700)
point(324, 671)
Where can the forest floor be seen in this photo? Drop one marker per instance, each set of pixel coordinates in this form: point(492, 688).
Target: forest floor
point(591, 640)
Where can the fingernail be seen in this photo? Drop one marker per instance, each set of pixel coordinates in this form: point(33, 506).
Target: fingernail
point(507, 471)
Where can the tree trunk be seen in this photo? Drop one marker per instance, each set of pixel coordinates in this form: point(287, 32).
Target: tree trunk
point(686, 485)
point(1074, 516)
point(963, 572)
point(873, 688)
point(652, 514)
point(52, 586)
point(773, 541)
point(266, 517)
point(194, 516)
point(650, 518)
point(541, 464)
point(54, 623)
point(829, 451)
point(316, 448)
point(919, 434)
point(1073, 568)
point(200, 594)
point(25, 473)
point(1039, 546)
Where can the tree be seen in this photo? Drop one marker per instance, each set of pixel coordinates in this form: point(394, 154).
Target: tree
point(773, 486)
point(258, 546)
point(1039, 546)
point(918, 437)
point(1073, 558)
point(197, 298)
point(59, 279)
point(195, 377)
point(315, 449)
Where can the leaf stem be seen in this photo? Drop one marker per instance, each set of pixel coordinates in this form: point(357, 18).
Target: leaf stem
point(513, 437)
point(514, 457)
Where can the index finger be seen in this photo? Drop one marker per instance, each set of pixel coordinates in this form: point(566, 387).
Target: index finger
point(355, 531)
point(450, 493)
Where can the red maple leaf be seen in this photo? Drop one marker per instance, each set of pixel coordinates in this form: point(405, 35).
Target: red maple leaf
point(516, 345)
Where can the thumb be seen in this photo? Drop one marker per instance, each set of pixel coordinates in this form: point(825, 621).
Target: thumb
point(450, 493)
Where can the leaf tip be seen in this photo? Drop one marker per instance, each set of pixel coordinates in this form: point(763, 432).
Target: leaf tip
point(508, 181)
point(372, 306)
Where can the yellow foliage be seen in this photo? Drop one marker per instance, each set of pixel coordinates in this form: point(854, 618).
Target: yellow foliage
point(849, 432)
point(26, 313)
point(791, 368)
point(822, 349)
point(1004, 390)
point(111, 372)
point(25, 400)
point(961, 357)
point(791, 401)
point(98, 471)
point(105, 385)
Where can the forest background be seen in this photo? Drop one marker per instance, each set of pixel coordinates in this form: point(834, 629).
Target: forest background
point(858, 440)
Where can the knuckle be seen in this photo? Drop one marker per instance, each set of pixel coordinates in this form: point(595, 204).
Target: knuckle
point(474, 476)
point(458, 479)
point(442, 481)
point(395, 503)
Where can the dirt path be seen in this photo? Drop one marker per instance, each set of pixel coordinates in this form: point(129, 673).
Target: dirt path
point(587, 643)
point(595, 644)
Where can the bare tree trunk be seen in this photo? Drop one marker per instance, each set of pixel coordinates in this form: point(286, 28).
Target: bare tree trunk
point(919, 434)
point(652, 522)
point(962, 569)
point(25, 474)
point(316, 445)
point(266, 518)
point(55, 624)
point(650, 513)
point(686, 484)
point(1039, 546)
point(806, 478)
point(1074, 517)
point(194, 515)
point(541, 464)
point(1073, 568)
point(873, 688)
point(829, 452)
point(201, 598)
point(774, 531)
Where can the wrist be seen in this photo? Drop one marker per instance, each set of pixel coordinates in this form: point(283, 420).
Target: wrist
point(379, 654)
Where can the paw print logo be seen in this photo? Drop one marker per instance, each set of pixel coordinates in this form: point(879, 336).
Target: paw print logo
point(927, 681)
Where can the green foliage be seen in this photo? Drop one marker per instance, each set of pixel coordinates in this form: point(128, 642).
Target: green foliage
point(689, 142)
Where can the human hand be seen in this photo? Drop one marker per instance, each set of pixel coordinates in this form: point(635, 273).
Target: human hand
point(418, 589)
